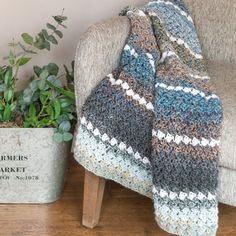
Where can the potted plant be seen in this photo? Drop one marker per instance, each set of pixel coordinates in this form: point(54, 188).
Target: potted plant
point(35, 123)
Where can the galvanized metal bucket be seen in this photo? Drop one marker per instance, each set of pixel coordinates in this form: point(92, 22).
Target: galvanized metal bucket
point(32, 165)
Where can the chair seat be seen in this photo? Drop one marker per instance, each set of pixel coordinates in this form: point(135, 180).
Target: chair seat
point(223, 78)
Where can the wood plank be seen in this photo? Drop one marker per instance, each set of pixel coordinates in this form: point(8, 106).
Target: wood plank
point(124, 213)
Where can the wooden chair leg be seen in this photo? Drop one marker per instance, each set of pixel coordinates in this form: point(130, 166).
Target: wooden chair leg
point(93, 195)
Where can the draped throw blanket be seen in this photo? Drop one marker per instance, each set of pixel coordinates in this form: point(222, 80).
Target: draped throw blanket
point(159, 111)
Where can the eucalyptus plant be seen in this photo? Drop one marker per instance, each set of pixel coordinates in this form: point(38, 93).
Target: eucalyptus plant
point(47, 101)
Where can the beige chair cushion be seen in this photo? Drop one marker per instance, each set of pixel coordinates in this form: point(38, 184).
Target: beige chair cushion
point(215, 21)
point(223, 77)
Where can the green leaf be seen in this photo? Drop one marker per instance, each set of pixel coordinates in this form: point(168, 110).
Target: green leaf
point(13, 106)
point(73, 65)
point(57, 108)
point(61, 118)
point(27, 38)
point(71, 117)
point(1, 105)
point(65, 102)
point(59, 19)
point(45, 33)
point(70, 74)
point(11, 58)
point(2, 88)
point(50, 112)
point(26, 124)
point(27, 95)
point(34, 85)
point(44, 74)
point(54, 80)
point(7, 113)
point(52, 69)
point(59, 33)
point(62, 91)
point(41, 41)
point(46, 93)
point(65, 126)
point(58, 137)
point(1, 75)
point(67, 136)
point(39, 44)
point(64, 26)
point(8, 76)
point(8, 94)
point(42, 84)
point(22, 61)
point(35, 96)
point(41, 36)
point(52, 39)
point(32, 110)
point(37, 70)
point(1, 70)
point(45, 122)
point(42, 98)
point(50, 26)
point(47, 45)
point(25, 49)
point(53, 123)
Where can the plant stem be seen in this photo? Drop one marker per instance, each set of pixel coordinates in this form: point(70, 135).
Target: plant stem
point(43, 107)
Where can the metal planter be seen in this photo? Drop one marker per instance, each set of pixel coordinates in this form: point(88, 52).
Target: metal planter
point(32, 165)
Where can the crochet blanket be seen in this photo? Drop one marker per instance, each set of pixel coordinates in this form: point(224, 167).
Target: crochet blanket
point(158, 110)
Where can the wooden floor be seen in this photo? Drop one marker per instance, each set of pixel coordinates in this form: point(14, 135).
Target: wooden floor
point(124, 213)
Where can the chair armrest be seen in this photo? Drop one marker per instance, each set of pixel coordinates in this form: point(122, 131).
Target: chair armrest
point(98, 53)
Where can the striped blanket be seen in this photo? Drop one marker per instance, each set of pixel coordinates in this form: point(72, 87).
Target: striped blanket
point(158, 112)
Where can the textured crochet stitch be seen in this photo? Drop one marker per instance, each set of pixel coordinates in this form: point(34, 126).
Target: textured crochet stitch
point(158, 115)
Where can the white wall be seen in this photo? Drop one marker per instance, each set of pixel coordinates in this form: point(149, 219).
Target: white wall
point(18, 16)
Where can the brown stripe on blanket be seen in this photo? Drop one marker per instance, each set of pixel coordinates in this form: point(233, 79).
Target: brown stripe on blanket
point(196, 130)
point(188, 150)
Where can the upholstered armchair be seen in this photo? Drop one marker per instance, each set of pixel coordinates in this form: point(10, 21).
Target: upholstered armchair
point(98, 53)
